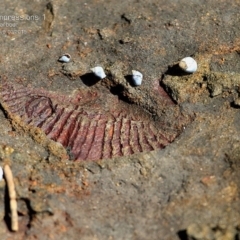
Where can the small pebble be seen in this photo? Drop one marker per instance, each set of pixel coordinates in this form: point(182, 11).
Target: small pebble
point(188, 64)
point(65, 58)
point(1, 173)
point(99, 72)
point(137, 77)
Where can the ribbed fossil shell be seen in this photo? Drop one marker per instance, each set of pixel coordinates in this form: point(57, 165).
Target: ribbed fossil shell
point(88, 133)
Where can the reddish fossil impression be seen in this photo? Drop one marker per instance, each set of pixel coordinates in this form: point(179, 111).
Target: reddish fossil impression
point(88, 132)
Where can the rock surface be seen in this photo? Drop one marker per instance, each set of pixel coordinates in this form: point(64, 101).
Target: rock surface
point(188, 190)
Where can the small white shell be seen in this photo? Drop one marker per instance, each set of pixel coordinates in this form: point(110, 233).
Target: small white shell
point(99, 72)
point(188, 65)
point(65, 58)
point(1, 173)
point(137, 77)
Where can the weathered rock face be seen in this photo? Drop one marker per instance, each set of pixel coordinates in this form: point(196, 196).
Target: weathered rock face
point(185, 184)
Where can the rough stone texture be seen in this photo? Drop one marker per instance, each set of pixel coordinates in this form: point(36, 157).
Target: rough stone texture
point(190, 189)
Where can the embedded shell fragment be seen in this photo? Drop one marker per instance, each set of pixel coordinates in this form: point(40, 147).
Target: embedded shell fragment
point(65, 58)
point(137, 77)
point(99, 72)
point(188, 64)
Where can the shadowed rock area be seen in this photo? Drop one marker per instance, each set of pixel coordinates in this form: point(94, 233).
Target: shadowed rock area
point(166, 154)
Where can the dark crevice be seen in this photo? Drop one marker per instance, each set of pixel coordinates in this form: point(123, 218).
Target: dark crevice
point(237, 237)
point(182, 234)
point(175, 70)
point(99, 34)
point(129, 79)
point(234, 105)
point(31, 212)
point(126, 19)
point(7, 217)
point(7, 117)
point(49, 7)
point(119, 91)
point(89, 79)
point(4, 111)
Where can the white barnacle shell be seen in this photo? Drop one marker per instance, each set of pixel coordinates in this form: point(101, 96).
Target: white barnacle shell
point(137, 77)
point(65, 58)
point(1, 173)
point(99, 72)
point(188, 64)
